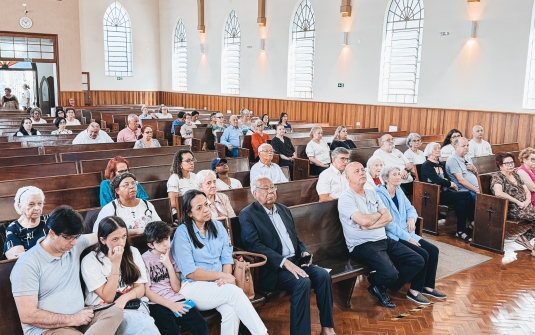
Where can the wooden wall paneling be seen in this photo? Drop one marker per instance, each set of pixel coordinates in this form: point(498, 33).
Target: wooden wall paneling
point(433, 121)
point(64, 96)
point(511, 124)
point(496, 130)
point(523, 132)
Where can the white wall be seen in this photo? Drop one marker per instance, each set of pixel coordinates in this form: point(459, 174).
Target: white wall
point(145, 40)
point(485, 74)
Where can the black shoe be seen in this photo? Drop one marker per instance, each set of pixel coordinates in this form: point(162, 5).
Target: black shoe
point(419, 298)
point(384, 299)
point(435, 294)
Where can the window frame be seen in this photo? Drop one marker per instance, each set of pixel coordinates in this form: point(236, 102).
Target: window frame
point(128, 43)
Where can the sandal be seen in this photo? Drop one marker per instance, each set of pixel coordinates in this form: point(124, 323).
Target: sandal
point(465, 238)
point(523, 241)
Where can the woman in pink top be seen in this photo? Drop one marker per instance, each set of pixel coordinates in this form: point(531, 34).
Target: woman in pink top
point(526, 171)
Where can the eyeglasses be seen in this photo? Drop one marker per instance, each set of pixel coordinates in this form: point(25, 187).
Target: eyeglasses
point(122, 171)
point(532, 159)
point(343, 159)
point(148, 132)
point(62, 122)
point(455, 136)
point(416, 141)
point(267, 151)
point(189, 161)
point(218, 117)
point(389, 140)
point(512, 163)
point(267, 189)
point(127, 185)
point(70, 237)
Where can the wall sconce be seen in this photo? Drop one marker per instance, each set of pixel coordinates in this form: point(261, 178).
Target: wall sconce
point(345, 37)
point(473, 0)
point(262, 44)
point(345, 8)
point(203, 48)
point(472, 29)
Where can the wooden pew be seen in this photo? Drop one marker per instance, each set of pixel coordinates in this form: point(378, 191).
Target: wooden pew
point(487, 164)
point(17, 152)
point(10, 187)
point(426, 198)
point(86, 147)
point(79, 156)
point(24, 160)
point(504, 147)
point(361, 155)
point(10, 317)
point(37, 170)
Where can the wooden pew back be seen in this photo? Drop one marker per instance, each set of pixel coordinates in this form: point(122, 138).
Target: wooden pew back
point(25, 160)
point(10, 187)
point(79, 156)
point(37, 170)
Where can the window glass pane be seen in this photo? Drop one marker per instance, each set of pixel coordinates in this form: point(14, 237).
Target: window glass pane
point(230, 76)
point(117, 41)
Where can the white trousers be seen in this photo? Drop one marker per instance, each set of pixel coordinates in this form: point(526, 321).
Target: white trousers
point(230, 301)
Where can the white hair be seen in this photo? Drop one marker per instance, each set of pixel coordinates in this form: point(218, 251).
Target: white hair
point(429, 148)
point(371, 160)
point(201, 176)
point(385, 172)
point(260, 148)
point(254, 182)
point(22, 196)
point(131, 117)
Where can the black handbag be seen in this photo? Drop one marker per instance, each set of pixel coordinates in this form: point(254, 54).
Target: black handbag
point(132, 304)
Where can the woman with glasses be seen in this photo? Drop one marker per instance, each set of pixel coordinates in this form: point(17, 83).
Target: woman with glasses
point(116, 166)
point(135, 212)
point(447, 146)
point(526, 171)
point(61, 124)
point(23, 234)
point(340, 139)
point(145, 140)
point(219, 123)
point(202, 250)
point(182, 177)
point(245, 119)
point(414, 155)
point(507, 184)
point(258, 138)
point(71, 121)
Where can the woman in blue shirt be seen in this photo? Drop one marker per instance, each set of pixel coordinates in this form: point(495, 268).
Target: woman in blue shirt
point(201, 247)
point(402, 229)
point(116, 166)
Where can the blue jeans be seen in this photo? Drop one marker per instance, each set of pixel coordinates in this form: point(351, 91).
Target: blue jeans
point(137, 323)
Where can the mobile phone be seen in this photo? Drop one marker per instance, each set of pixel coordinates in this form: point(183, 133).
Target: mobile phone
point(188, 305)
point(305, 260)
point(103, 307)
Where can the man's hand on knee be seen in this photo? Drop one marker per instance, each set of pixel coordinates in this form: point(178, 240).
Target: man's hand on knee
point(295, 270)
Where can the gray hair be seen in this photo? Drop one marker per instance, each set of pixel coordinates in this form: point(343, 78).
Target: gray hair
point(24, 193)
point(263, 145)
point(385, 172)
point(456, 141)
point(429, 148)
point(37, 109)
point(232, 116)
point(131, 117)
point(244, 111)
point(372, 159)
point(93, 125)
point(201, 176)
point(143, 107)
point(338, 151)
point(337, 132)
point(258, 122)
point(254, 182)
point(411, 137)
point(314, 130)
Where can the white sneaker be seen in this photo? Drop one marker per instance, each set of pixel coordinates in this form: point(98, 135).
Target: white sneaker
point(441, 222)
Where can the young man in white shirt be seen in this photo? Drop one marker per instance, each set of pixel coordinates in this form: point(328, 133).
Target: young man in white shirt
point(477, 145)
point(332, 182)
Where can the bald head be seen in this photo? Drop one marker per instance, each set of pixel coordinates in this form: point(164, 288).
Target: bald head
point(461, 146)
point(356, 176)
point(477, 133)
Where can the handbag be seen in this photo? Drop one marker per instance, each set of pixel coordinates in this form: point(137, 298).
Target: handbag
point(131, 304)
point(242, 271)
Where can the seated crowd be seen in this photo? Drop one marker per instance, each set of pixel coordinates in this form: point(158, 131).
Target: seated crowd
point(163, 290)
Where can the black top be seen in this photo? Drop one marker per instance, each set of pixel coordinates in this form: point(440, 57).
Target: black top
point(13, 98)
point(286, 148)
point(267, 127)
point(433, 173)
point(27, 237)
point(348, 144)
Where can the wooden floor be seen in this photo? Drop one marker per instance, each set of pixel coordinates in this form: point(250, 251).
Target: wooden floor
point(497, 297)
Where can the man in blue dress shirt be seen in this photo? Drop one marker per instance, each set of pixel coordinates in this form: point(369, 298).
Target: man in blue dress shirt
point(231, 136)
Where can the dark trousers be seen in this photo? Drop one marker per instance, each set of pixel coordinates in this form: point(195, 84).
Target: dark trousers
point(395, 263)
point(464, 206)
point(320, 280)
point(429, 253)
point(168, 324)
point(289, 164)
point(316, 170)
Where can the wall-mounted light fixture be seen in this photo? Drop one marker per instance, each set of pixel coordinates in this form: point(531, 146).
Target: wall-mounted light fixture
point(474, 0)
point(345, 38)
point(345, 8)
point(472, 29)
point(262, 44)
point(203, 48)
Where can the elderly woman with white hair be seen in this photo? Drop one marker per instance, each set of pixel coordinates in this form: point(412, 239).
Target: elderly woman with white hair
point(23, 234)
point(373, 172)
point(432, 172)
point(414, 154)
point(402, 229)
point(219, 203)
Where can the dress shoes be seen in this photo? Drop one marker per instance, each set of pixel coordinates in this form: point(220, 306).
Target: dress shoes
point(384, 299)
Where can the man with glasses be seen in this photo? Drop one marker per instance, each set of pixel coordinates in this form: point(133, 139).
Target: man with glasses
point(92, 135)
point(393, 157)
point(180, 120)
point(477, 145)
point(268, 228)
point(265, 167)
point(332, 182)
point(45, 282)
point(131, 132)
point(231, 136)
point(460, 169)
point(219, 123)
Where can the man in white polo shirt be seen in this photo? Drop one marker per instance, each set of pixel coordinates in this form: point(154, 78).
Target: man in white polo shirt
point(265, 167)
point(477, 145)
point(393, 157)
point(332, 182)
point(92, 135)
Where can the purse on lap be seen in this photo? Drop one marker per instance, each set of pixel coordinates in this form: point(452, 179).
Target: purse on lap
point(242, 271)
point(131, 304)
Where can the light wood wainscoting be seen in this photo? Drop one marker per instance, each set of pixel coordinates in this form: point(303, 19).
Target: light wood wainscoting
point(500, 127)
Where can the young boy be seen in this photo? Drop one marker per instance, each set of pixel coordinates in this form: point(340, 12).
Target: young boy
point(186, 131)
point(163, 285)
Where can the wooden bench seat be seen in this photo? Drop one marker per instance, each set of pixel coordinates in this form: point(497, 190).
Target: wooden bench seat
point(24, 160)
point(19, 151)
point(85, 147)
point(504, 147)
point(37, 170)
point(85, 155)
point(487, 164)
point(10, 187)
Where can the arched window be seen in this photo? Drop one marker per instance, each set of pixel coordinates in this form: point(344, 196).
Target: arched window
point(301, 52)
point(180, 58)
point(117, 41)
point(230, 69)
point(402, 52)
point(529, 86)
